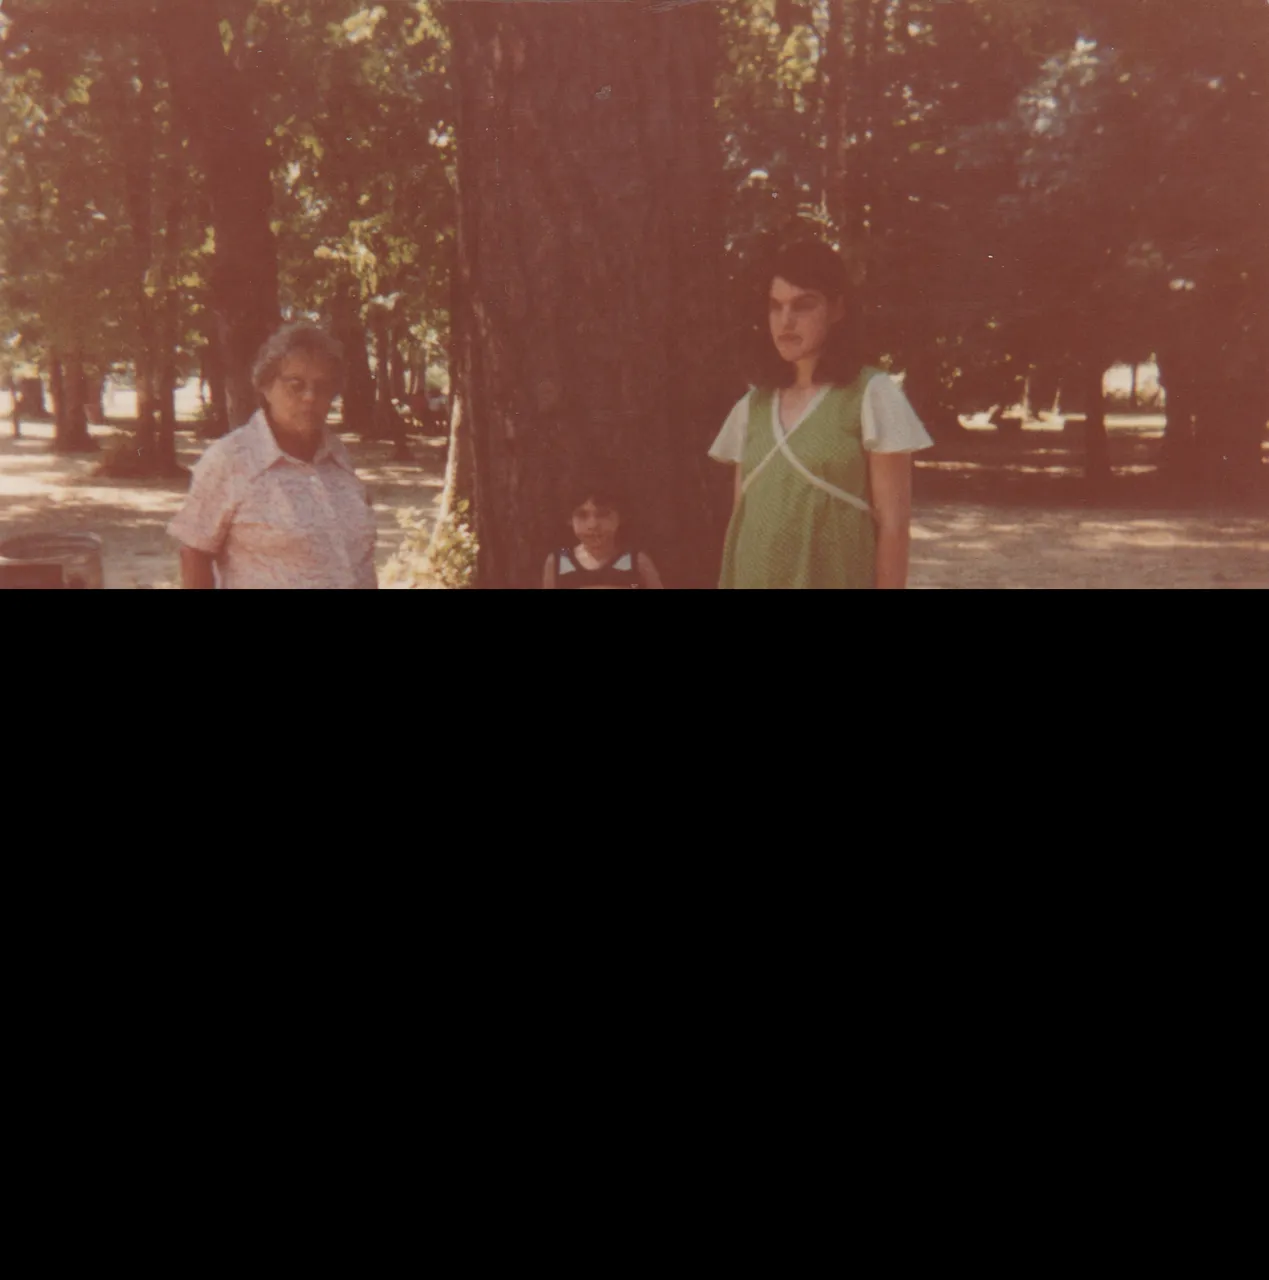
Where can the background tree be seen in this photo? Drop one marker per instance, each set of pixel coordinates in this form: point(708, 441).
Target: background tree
point(1026, 190)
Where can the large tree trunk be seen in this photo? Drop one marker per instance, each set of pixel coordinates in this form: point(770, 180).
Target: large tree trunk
point(214, 101)
point(590, 264)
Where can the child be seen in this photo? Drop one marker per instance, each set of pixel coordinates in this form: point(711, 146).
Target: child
point(600, 561)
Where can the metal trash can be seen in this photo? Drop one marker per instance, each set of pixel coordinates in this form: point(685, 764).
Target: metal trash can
point(49, 561)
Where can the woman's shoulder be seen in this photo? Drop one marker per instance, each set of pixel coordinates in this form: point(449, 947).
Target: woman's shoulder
point(877, 382)
point(231, 449)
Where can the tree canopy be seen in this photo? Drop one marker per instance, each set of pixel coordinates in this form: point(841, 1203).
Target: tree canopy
point(1026, 190)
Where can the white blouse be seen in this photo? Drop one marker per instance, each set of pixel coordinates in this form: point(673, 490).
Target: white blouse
point(890, 424)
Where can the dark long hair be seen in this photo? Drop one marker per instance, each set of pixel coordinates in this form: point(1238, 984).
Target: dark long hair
point(806, 264)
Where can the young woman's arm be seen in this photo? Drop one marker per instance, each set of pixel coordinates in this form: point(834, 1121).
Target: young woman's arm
point(890, 475)
point(648, 575)
point(196, 570)
point(548, 574)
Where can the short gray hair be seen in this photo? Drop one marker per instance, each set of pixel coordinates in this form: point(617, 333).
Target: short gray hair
point(288, 341)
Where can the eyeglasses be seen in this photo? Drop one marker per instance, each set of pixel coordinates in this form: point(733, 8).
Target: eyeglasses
point(300, 387)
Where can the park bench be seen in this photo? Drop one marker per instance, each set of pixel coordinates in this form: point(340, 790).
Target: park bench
point(50, 562)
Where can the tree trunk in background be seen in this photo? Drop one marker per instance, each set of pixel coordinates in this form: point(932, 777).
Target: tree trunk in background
point(70, 433)
point(590, 260)
point(460, 467)
point(833, 181)
point(460, 474)
point(359, 387)
point(1097, 473)
point(358, 400)
point(214, 373)
point(165, 437)
point(1178, 377)
point(137, 116)
point(859, 99)
point(169, 316)
point(31, 392)
point(214, 101)
point(387, 423)
point(56, 392)
point(1229, 436)
point(96, 399)
point(398, 357)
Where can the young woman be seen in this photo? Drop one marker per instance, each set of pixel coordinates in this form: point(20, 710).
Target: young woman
point(822, 446)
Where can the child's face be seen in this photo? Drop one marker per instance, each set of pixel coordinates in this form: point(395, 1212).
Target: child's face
point(595, 525)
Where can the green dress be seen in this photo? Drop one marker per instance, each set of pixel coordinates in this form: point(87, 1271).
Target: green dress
point(786, 533)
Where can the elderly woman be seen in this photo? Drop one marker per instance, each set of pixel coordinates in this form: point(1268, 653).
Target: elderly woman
point(277, 504)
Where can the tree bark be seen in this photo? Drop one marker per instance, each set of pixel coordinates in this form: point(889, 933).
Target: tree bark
point(835, 68)
point(214, 374)
point(860, 100)
point(398, 362)
point(70, 432)
point(30, 393)
point(1097, 471)
point(1228, 441)
point(460, 473)
point(215, 102)
point(1179, 379)
point(137, 116)
point(169, 316)
point(590, 266)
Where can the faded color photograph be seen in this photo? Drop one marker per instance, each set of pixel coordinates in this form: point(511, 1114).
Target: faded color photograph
point(634, 294)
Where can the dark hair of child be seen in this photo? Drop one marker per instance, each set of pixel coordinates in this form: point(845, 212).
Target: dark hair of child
point(607, 493)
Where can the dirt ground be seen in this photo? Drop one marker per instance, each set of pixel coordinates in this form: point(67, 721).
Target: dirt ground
point(991, 512)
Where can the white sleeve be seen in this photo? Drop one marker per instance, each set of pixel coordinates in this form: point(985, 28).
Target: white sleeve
point(890, 423)
point(730, 444)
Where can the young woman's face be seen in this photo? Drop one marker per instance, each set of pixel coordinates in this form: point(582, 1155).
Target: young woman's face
point(595, 526)
point(800, 319)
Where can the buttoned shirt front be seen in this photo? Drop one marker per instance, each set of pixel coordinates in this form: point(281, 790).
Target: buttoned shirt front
point(273, 521)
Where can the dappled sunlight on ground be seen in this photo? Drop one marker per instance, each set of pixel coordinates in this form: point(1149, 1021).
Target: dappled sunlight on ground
point(984, 546)
point(1013, 511)
point(989, 512)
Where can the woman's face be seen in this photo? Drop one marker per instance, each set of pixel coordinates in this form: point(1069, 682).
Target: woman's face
point(595, 526)
point(800, 319)
point(300, 397)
